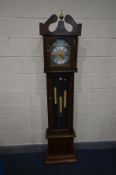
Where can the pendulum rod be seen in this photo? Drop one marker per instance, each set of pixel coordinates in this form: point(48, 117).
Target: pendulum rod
point(65, 98)
point(55, 96)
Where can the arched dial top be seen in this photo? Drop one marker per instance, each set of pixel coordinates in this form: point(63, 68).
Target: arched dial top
point(60, 30)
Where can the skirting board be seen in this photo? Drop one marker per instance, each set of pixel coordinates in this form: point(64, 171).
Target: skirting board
point(18, 149)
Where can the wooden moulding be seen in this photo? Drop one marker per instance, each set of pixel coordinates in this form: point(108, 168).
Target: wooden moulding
point(54, 159)
point(60, 30)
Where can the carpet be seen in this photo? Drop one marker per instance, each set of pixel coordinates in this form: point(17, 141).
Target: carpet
point(91, 162)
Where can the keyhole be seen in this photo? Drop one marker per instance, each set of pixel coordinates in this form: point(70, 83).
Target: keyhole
point(50, 98)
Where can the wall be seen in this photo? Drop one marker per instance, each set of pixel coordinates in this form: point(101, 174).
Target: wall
point(23, 107)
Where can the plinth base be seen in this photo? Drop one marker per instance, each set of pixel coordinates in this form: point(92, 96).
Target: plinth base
point(51, 159)
point(60, 147)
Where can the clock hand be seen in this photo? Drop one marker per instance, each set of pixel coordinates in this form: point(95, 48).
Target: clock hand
point(61, 55)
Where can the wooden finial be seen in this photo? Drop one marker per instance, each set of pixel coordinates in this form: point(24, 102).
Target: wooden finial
point(61, 15)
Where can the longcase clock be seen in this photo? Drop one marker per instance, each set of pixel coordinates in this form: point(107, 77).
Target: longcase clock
point(60, 63)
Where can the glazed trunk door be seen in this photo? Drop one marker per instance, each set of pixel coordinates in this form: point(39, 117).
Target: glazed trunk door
point(60, 99)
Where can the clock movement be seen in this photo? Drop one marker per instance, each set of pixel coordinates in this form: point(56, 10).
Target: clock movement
point(60, 63)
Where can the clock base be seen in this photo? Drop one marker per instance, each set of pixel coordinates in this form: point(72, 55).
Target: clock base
point(54, 159)
point(60, 147)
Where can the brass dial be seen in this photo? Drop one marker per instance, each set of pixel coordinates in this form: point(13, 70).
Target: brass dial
point(60, 52)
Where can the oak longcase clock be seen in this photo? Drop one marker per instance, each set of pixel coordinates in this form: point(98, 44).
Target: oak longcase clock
point(60, 63)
